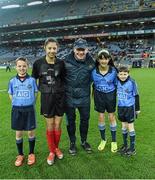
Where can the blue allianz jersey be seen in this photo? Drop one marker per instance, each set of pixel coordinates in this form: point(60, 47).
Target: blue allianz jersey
point(126, 92)
point(105, 83)
point(23, 92)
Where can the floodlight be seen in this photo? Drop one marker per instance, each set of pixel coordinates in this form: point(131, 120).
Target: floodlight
point(10, 6)
point(34, 3)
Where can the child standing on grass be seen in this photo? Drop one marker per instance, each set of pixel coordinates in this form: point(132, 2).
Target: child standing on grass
point(128, 108)
point(50, 72)
point(104, 79)
point(22, 92)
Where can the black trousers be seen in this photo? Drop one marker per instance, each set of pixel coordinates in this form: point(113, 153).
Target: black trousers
point(84, 122)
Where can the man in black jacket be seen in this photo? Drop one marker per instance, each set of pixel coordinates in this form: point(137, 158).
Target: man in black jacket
point(79, 65)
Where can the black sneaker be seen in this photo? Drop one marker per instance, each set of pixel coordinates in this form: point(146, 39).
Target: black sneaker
point(72, 149)
point(86, 147)
point(123, 149)
point(130, 152)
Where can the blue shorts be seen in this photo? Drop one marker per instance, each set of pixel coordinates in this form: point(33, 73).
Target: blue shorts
point(126, 114)
point(105, 101)
point(23, 118)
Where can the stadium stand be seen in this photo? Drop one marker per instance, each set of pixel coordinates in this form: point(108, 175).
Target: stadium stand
point(126, 28)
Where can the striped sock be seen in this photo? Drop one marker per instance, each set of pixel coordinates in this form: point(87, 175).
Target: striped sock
point(132, 140)
point(102, 130)
point(113, 132)
point(125, 135)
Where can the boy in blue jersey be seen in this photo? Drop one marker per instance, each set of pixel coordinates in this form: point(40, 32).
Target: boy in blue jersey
point(128, 108)
point(22, 92)
point(104, 78)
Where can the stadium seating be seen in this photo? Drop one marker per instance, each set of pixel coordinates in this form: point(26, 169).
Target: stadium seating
point(50, 11)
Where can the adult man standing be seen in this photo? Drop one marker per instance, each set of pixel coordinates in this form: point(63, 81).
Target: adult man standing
point(8, 68)
point(79, 65)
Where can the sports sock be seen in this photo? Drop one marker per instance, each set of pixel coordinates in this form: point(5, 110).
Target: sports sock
point(125, 135)
point(50, 140)
point(19, 143)
point(31, 145)
point(102, 130)
point(57, 135)
point(113, 132)
point(132, 140)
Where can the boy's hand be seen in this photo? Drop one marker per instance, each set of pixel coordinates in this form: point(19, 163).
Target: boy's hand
point(137, 112)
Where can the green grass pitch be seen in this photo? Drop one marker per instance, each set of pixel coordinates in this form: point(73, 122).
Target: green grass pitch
point(98, 165)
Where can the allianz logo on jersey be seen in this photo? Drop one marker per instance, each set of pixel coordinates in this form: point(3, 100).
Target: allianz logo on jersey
point(22, 94)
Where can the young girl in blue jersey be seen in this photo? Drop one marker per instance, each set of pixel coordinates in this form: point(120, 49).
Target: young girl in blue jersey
point(22, 92)
point(104, 79)
point(128, 108)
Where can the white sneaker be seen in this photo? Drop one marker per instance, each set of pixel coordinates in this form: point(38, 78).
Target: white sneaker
point(50, 158)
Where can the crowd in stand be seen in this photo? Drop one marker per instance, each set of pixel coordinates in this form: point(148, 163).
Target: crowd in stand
point(122, 51)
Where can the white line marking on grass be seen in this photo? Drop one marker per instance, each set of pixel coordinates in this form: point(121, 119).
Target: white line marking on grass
point(2, 90)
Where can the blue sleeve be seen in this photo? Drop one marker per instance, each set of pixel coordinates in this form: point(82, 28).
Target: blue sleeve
point(10, 88)
point(115, 80)
point(35, 85)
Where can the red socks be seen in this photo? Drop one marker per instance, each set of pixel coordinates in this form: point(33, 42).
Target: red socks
point(50, 140)
point(53, 139)
point(57, 135)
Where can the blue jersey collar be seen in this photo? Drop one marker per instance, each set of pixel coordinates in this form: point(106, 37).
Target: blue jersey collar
point(18, 77)
point(123, 82)
point(109, 71)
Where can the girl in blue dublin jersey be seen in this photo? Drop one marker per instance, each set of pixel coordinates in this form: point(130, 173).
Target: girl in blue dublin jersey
point(128, 108)
point(22, 92)
point(104, 83)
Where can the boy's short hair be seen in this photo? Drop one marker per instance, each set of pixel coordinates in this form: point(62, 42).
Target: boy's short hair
point(21, 59)
point(123, 69)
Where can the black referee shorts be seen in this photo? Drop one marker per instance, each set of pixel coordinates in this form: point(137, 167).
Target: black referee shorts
point(105, 101)
point(52, 104)
point(23, 118)
point(126, 114)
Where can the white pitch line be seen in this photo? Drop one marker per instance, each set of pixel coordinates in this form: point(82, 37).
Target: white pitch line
point(2, 90)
